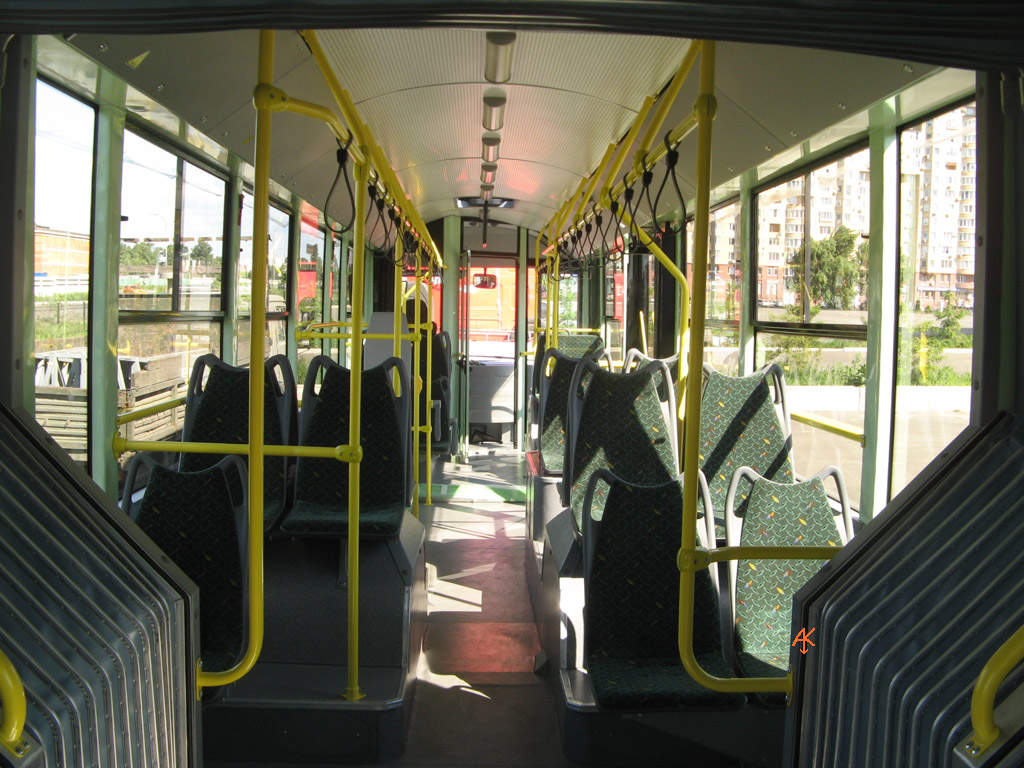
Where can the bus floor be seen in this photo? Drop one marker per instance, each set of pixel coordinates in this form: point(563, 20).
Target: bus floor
point(478, 701)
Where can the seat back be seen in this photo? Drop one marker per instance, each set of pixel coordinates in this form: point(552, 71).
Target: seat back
point(322, 485)
point(741, 426)
point(623, 421)
point(635, 359)
point(194, 519)
point(776, 514)
point(217, 411)
point(554, 406)
point(632, 600)
point(579, 344)
point(376, 351)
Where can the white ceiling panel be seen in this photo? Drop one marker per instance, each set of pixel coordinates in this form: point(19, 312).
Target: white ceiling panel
point(621, 69)
point(570, 95)
point(375, 62)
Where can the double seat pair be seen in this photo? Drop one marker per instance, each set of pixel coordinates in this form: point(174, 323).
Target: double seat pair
point(198, 513)
point(622, 489)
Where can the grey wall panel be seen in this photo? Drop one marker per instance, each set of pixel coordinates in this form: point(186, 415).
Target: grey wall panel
point(99, 628)
point(908, 615)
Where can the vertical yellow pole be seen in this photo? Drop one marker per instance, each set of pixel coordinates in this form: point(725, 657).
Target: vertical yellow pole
point(553, 280)
point(430, 364)
point(362, 176)
point(536, 288)
point(417, 388)
point(705, 109)
point(396, 346)
point(257, 372)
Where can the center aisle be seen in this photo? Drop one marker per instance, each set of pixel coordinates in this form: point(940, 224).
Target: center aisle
point(478, 701)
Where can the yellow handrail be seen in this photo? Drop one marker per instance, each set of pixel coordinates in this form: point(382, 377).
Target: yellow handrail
point(152, 410)
point(668, 98)
point(428, 427)
point(368, 145)
point(362, 175)
point(643, 331)
point(983, 700)
point(12, 698)
point(830, 425)
point(415, 378)
point(345, 335)
point(705, 108)
point(261, 208)
point(339, 452)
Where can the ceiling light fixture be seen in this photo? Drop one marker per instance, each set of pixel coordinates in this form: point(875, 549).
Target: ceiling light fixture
point(498, 64)
point(494, 109)
point(487, 172)
point(490, 142)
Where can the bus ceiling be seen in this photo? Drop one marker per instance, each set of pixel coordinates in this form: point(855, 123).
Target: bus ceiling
point(985, 37)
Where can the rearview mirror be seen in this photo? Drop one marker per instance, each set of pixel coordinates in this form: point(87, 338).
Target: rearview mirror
point(485, 281)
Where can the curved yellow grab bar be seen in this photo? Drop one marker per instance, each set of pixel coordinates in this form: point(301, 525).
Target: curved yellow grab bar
point(983, 700)
point(830, 425)
point(12, 697)
point(257, 373)
point(152, 410)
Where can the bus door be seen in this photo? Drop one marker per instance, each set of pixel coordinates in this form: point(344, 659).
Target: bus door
point(488, 325)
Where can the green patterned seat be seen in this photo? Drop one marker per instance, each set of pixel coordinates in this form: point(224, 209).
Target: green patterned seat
point(622, 421)
point(573, 346)
point(321, 485)
point(632, 603)
point(740, 426)
point(217, 411)
point(635, 359)
point(776, 514)
point(192, 517)
point(554, 408)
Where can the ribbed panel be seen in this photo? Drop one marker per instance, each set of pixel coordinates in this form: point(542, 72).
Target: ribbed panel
point(97, 636)
point(374, 62)
point(914, 610)
point(594, 64)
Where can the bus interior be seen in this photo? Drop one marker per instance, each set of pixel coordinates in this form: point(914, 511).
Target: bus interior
point(640, 384)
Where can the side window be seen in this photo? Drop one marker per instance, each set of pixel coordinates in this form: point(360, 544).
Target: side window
point(936, 315)
point(65, 138)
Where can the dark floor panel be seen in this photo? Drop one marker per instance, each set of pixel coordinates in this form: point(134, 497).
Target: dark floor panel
point(487, 574)
point(457, 648)
point(485, 725)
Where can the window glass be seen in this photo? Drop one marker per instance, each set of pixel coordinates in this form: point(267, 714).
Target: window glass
point(309, 292)
point(615, 305)
point(936, 317)
point(824, 379)
point(65, 135)
point(725, 273)
point(149, 189)
point(275, 340)
point(492, 311)
point(780, 243)
point(812, 245)
point(721, 348)
point(202, 240)
point(277, 259)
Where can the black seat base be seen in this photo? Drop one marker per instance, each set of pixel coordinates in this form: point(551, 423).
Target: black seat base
point(294, 714)
point(748, 736)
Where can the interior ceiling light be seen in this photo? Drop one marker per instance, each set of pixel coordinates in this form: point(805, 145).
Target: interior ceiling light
point(490, 142)
point(498, 64)
point(478, 202)
point(487, 171)
point(486, 191)
point(494, 109)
